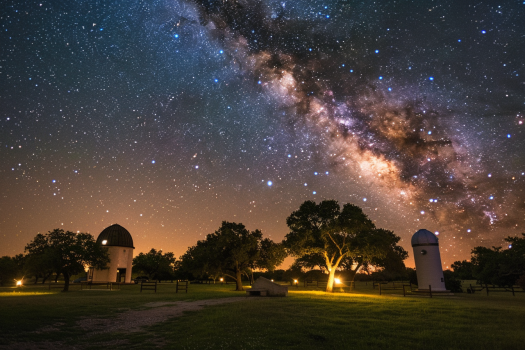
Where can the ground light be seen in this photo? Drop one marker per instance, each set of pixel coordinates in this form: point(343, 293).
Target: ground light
point(19, 283)
point(296, 282)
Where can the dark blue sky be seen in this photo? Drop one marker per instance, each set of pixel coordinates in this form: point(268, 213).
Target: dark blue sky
point(168, 117)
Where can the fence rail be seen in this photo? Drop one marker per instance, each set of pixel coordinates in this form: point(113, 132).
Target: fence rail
point(494, 288)
point(182, 286)
point(148, 286)
point(109, 285)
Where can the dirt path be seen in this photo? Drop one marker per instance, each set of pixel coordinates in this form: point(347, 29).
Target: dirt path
point(135, 320)
point(128, 321)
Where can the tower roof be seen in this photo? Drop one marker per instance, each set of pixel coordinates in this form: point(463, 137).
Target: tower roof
point(115, 235)
point(424, 237)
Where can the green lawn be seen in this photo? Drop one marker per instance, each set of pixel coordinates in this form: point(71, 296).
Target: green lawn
point(306, 319)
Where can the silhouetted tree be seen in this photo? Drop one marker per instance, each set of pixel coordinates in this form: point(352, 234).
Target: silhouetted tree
point(463, 270)
point(295, 272)
point(155, 264)
point(500, 266)
point(8, 270)
point(231, 251)
point(67, 253)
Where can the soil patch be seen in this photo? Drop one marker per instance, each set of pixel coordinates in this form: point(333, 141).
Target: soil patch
point(127, 321)
point(135, 320)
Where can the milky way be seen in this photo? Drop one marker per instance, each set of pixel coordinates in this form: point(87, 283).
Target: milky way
point(171, 116)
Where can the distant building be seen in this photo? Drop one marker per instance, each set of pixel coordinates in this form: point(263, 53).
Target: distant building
point(120, 248)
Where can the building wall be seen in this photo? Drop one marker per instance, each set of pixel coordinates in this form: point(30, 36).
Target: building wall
point(120, 258)
point(428, 268)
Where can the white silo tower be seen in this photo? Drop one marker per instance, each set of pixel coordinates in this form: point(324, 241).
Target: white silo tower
point(428, 261)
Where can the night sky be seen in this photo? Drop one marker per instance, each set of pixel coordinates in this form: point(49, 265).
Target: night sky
point(168, 117)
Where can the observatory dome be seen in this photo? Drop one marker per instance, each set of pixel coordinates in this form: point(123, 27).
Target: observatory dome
point(115, 235)
point(424, 237)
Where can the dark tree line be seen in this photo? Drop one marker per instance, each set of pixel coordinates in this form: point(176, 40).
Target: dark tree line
point(498, 266)
point(57, 252)
point(323, 237)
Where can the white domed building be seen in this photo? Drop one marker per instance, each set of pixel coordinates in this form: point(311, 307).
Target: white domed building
point(120, 248)
point(428, 261)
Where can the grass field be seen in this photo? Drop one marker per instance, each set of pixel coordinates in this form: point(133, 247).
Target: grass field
point(34, 317)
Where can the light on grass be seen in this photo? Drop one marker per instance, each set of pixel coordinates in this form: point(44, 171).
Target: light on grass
point(19, 283)
point(337, 281)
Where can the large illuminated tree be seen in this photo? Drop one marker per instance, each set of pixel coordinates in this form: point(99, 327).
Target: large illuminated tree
point(332, 237)
point(67, 253)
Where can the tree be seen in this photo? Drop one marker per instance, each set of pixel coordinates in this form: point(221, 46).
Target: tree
point(463, 270)
point(295, 272)
point(39, 261)
point(155, 264)
point(197, 263)
point(271, 255)
point(497, 266)
point(231, 250)
point(332, 238)
point(8, 270)
point(67, 253)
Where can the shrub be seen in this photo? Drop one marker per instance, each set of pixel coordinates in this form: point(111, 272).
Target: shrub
point(451, 282)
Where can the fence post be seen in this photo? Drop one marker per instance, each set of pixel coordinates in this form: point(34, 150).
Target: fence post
point(430, 290)
point(379, 288)
point(487, 286)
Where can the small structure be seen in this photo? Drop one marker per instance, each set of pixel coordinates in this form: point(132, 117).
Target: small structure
point(264, 287)
point(120, 248)
point(428, 262)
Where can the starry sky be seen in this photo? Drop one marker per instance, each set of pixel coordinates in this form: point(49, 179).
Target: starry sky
point(168, 117)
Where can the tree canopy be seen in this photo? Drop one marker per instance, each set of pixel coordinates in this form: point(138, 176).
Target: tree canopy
point(500, 266)
point(67, 253)
point(156, 264)
point(231, 251)
point(9, 270)
point(330, 237)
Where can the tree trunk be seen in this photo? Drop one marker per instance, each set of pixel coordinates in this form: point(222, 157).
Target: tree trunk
point(66, 282)
point(238, 278)
point(352, 274)
point(330, 284)
point(36, 279)
point(44, 279)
